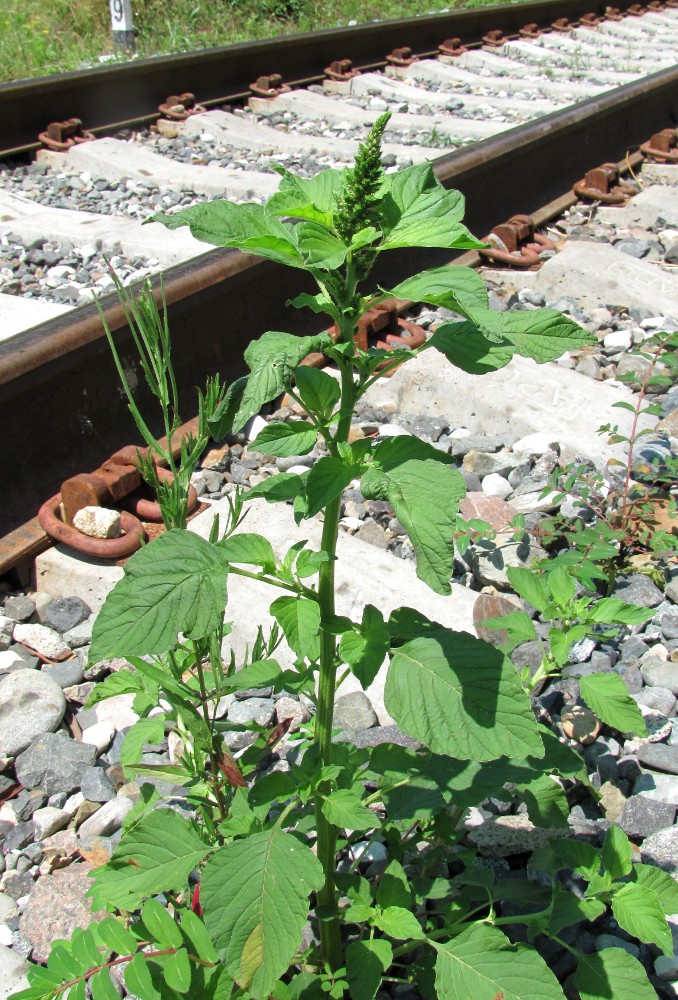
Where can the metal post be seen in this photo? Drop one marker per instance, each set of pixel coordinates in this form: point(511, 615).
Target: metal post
point(122, 25)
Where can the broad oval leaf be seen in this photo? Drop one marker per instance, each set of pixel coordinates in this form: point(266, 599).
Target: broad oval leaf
point(637, 909)
point(156, 855)
point(254, 894)
point(160, 925)
point(452, 287)
point(284, 439)
point(617, 852)
point(249, 548)
point(467, 348)
point(326, 480)
point(612, 974)
point(660, 882)
point(175, 584)
point(299, 618)
point(609, 698)
point(482, 965)
point(366, 962)
point(318, 390)
point(424, 491)
point(343, 808)
point(461, 697)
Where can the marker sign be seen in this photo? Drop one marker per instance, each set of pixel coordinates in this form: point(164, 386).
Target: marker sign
point(121, 15)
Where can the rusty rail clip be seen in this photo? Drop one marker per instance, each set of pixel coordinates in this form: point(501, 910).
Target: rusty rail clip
point(495, 38)
point(452, 47)
point(113, 482)
point(180, 107)
point(269, 86)
point(562, 24)
point(531, 30)
point(656, 6)
point(62, 136)
point(662, 146)
point(602, 184)
point(341, 70)
point(613, 14)
point(590, 20)
point(402, 57)
point(523, 245)
point(379, 327)
point(635, 10)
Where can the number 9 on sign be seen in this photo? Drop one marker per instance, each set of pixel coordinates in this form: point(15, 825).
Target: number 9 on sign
point(121, 15)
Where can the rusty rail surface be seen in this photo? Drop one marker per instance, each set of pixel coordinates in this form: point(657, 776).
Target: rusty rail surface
point(128, 94)
point(59, 394)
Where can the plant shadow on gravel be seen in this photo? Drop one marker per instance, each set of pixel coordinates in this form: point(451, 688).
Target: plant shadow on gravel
point(346, 872)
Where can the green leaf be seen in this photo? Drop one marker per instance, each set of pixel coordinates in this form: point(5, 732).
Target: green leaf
point(482, 965)
point(529, 586)
point(343, 808)
point(284, 486)
point(453, 287)
point(319, 248)
point(176, 970)
point(156, 855)
point(160, 925)
point(248, 227)
point(568, 909)
point(399, 923)
point(546, 802)
point(608, 697)
point(517, 624)
point(616, 853)
point(393, 888)
point(467, 348)
point(299, 618)
point(255, 899)
point(248, 548)
point(306, 198)
point(659, 882)
point(175, 584)
point(562, 586)
point(542, 334)
point(197, 937)
point(327, 479)
point(581, 857)
point(366, 649)
point(612, 611)
point(366, 962)
point(220, 423)
point(121, 682)
point(295, 438)
point(256, 675)
point(308, 562)
point(612, 974)
point(101, 986)
point(461, 697)
point(142, 732)
point(638, 911)
point(433, 219)
point(138, 979)
point(424, 491)
point(318, 390)
point(116, 937)
point(271, 360)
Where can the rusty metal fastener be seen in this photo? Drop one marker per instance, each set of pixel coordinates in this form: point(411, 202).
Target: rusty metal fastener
point(656, 6)
point(452, 47)
point(269, 86)
point(401, 57)
point(523, 245)
point(602, 184)
point(51, 520)
point(341, 70)
point(562, 24)
point(383, 324)
point(530, 30)
point(589, 20)
point(180, 107)
point(613, 14)
point(494, 38)
point(62, 136)
point(661, 146)
point(635, 10)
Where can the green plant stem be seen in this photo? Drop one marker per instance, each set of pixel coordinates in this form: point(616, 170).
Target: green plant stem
point(330, 933)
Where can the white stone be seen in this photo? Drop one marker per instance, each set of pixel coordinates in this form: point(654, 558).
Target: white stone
point(366, 851)
point(618, 340)
point(6, 625)
point(13, 969)
point(31, 703)
point(9, 660)
point(351, 523)
point(5, 936)
point(117, 712)
point(536, 444)
point(254, 427)
point(45, 641)
point(97, 522)
point(393, 430)
point(73, 803)
point(48, 820)
point(108, 819)
point(496, 486)
point(100, 735)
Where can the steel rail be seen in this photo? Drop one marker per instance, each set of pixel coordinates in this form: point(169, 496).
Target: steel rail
point(60, 403)
point(128, 94)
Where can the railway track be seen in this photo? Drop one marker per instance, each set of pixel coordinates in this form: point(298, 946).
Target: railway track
point(537, 111)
